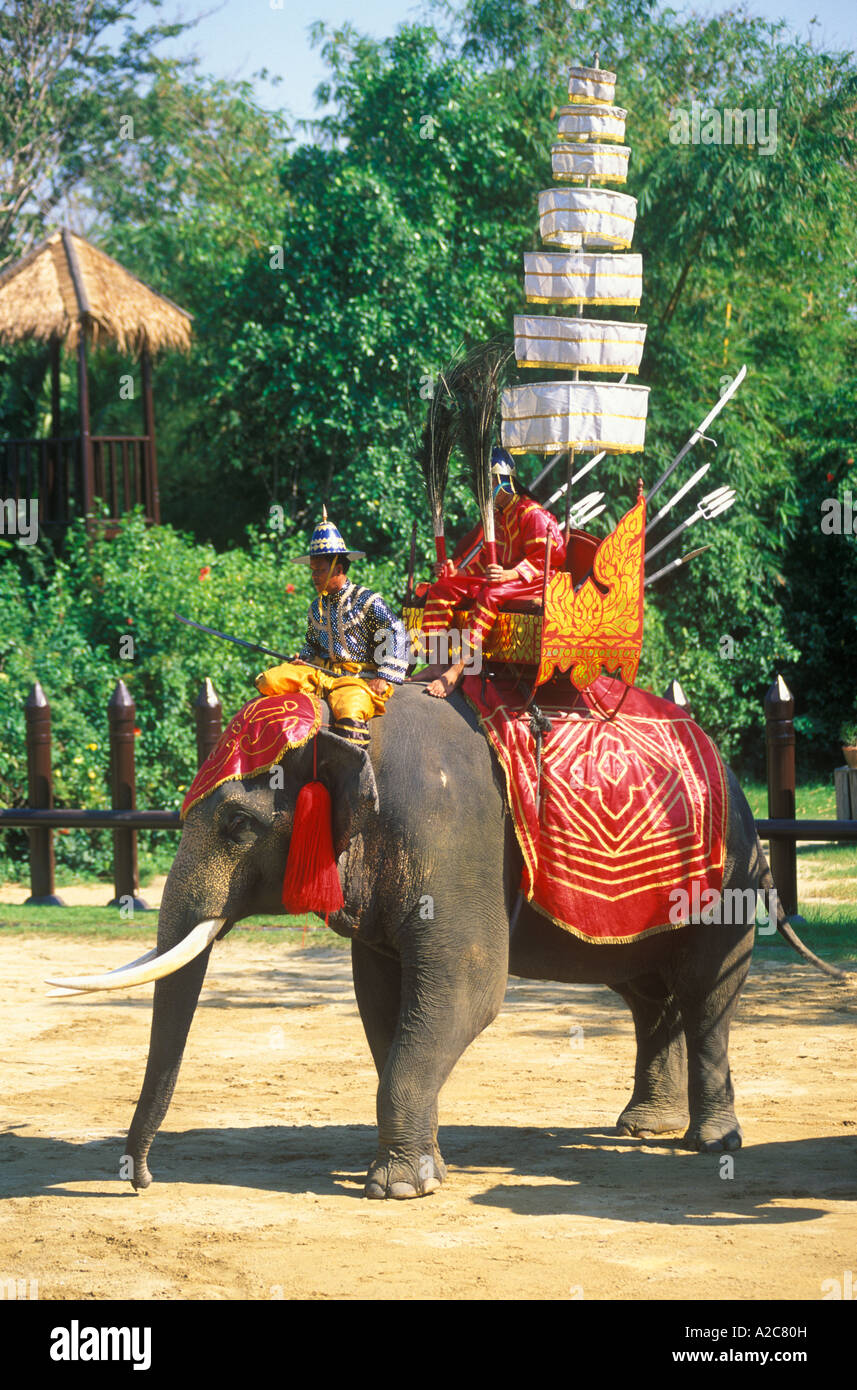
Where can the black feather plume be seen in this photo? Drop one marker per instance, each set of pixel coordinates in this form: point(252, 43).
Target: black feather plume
point(436, 445)
point(475, 383)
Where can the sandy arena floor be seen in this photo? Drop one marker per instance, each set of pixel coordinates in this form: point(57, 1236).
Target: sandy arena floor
point(259, 1168)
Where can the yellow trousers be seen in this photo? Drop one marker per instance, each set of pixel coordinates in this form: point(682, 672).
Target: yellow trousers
point(348, 696)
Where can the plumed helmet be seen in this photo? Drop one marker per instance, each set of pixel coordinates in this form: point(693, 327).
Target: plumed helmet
point(327, 542)
point(502, 464)
point(503, 471)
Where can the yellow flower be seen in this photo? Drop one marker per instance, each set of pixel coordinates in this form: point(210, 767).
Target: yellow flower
point(92, 747)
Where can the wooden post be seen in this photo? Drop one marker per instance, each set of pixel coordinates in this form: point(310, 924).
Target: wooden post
point(51, 503)
point(88, 498)
point(121, 713)
point(780, 742)
point(37, 713)
point(83, 307)
point(208, 711)
point(153, 498)
point(845, 784)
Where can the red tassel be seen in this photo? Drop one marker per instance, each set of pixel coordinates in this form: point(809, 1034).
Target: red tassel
point(311, 882)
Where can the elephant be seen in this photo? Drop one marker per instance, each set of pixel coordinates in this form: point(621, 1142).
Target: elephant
point(421, 818)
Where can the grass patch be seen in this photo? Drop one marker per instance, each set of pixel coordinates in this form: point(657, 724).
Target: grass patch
point(813, 800)
point(105, 924)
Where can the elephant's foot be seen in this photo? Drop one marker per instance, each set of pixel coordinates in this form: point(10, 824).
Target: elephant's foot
point(645, 1119)
point(714, 1136)
point(394, 1175)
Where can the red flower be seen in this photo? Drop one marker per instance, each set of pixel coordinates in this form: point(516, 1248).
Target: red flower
point(830, 477)
point(290, 588)
point(129, 621)
point(205, 572)
point(137, 732)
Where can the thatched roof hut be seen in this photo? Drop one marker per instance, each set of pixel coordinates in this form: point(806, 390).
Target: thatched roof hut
point(68, 293)
point(66, 282)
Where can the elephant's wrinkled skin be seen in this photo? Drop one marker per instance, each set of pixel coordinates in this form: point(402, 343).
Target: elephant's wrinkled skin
point(441, 842)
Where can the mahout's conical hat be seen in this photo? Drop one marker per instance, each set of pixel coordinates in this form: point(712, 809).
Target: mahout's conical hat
point(327, 542)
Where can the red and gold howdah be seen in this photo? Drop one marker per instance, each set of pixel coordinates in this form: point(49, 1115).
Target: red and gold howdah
point(598, 627)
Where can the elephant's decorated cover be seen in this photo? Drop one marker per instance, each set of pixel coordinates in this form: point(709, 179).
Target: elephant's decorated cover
point(255, 740)
point(632, 807)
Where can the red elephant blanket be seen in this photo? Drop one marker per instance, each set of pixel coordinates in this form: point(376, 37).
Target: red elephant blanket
point(255, 740)
point(632, 808)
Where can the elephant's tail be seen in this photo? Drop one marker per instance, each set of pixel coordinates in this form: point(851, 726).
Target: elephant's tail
point(784, 923)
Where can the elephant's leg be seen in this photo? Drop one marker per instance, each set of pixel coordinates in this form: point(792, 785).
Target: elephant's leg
point(708, 999)
point(444, 1006)
point(378, 987)
point(659, 1102)
point(175, 1001)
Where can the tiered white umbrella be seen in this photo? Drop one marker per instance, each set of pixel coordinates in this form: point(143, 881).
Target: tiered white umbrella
point(594, 226)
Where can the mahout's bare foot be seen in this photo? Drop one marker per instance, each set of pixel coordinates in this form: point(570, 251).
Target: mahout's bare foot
point(446, 683)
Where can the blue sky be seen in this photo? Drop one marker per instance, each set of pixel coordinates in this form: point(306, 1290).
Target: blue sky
point(239, 37)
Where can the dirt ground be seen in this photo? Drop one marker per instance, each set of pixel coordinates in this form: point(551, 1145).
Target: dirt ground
point(259, 1168)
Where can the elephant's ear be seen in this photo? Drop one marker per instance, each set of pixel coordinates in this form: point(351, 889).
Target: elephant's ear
point(349, 776)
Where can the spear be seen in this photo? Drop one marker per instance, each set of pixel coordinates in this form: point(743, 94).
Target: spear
point(560, 492)
point(711, 506)
point(587, 508)
point(699, 431)
point(675, 564)
point(241, 642)
point(409, 592)
point(700, 473)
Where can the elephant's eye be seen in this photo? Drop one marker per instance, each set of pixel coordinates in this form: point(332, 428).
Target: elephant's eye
point(240, 828)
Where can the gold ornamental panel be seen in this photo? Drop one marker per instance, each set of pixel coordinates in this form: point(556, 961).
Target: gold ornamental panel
point(514, 637)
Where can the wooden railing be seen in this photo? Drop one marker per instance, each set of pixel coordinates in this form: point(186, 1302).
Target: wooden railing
point(51, 471)
point(41, 818)
point(45, 469)
point(120, 473)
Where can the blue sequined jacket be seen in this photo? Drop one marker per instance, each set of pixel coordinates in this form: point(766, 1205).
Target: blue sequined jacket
point(355, 624)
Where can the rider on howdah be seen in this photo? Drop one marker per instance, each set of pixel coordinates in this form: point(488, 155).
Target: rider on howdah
point(521, 526)
point(352, 633)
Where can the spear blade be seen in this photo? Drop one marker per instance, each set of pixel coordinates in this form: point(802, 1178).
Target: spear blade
point(224, 636)
point(699, 432)
point(706, 511)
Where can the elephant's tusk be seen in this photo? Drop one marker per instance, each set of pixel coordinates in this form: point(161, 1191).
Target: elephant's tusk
point(68, 990)
point(149, 967)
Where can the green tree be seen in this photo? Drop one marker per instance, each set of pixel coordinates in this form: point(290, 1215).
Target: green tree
point(64, 94)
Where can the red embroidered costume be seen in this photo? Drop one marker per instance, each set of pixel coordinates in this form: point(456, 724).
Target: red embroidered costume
point(520, 532)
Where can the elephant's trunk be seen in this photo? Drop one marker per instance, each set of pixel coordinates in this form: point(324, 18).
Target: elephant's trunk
point(184, 904)
point(175, 1001)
